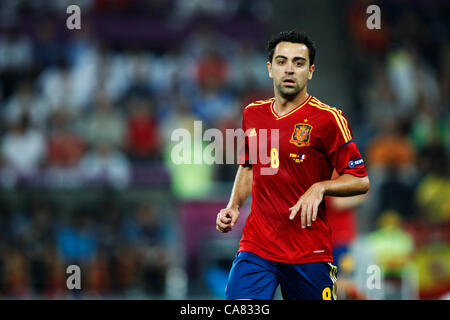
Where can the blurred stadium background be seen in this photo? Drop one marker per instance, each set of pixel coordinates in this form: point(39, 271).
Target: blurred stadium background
point(85, 123)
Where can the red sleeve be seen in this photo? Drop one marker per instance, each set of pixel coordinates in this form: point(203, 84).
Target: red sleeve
point(341, 148)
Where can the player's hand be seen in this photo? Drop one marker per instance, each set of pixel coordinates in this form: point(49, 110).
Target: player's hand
point(308, 205)
point(226, 219)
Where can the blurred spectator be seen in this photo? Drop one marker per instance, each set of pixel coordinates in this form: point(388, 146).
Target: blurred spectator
point(393, 249)
point(411, 77)
point(146, 232)
point(433, 191)
point(152, 236)
point(204, 38)
point(23, 148)
point(211, 69)
point(429, 126)
point(98, 280)
point(139, 68)
point(47, 49)
point(367, 40)
point(188, 8)
point(86, 81)
point(391, 147)
point(189, 180)
point(55, 277)
point(401, 73)
point(444, 74)
point(173, 73)
point(178, 116)
point(380, 99)
point(392, 168)
point(107, 165)
point(16, 274)
point(150, 229)
point(433, 268)
point(126, 262)
point(36, 240)
point(77, 240)
point(113, 72)
point(142, 138)
point(65, 147)
point(105, 125)
point(26, 100)
point(16, 58)
point(247, 70)
point(58, 89)
point(213, 100)
point(433, 195)
point(81, 45)
point(394, 187)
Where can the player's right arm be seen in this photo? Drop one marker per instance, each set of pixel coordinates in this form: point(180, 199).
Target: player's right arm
point(242, 187)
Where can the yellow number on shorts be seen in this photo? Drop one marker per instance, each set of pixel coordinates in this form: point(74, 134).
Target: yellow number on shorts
point(326, 294)
point(274, 161)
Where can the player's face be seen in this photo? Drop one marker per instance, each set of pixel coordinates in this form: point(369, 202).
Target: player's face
point(290, 68)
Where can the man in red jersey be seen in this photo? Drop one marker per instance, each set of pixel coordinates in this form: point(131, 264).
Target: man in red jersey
point(286, 239)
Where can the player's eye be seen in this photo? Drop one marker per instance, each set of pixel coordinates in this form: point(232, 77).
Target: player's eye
point(280, 62)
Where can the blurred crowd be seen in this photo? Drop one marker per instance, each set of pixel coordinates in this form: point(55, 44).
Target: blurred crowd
point(88, 110)
point(401, 79)
point(83, 108)
point(121, 248)
point(86, 107)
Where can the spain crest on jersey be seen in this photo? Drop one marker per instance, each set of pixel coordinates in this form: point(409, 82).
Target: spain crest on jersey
point(300, 136)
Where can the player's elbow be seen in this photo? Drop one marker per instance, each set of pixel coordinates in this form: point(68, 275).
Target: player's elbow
point(365, 184)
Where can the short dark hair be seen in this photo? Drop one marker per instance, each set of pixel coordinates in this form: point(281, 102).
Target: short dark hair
point(294, 37)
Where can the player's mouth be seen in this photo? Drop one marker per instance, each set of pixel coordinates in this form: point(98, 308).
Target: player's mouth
point(289, 83)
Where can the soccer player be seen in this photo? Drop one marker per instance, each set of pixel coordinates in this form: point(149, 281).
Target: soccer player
point(286, 239)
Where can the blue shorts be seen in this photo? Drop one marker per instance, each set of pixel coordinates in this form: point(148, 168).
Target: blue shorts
point(253, 277)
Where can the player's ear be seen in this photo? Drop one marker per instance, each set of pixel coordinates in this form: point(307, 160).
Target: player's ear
point(311, 71)
point(269, 68)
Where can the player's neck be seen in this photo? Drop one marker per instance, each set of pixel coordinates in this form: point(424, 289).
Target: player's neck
point(284, 105)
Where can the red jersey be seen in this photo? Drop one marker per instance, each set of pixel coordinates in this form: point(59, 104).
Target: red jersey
point(314, 138)
point(342, 221)
point(343, 224)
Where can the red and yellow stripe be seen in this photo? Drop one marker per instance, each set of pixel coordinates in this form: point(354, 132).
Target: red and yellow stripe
point(259, 102)
point(338, 116)
point(277, 117)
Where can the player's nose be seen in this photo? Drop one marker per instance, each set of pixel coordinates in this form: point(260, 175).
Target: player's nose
point(289, 68)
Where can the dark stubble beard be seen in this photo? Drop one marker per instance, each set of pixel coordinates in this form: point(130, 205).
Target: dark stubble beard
point(289, 94)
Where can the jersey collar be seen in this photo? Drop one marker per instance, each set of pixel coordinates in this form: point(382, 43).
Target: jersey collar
point(277, 117)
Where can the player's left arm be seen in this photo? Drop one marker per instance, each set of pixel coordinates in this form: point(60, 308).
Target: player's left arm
point(344, 186)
